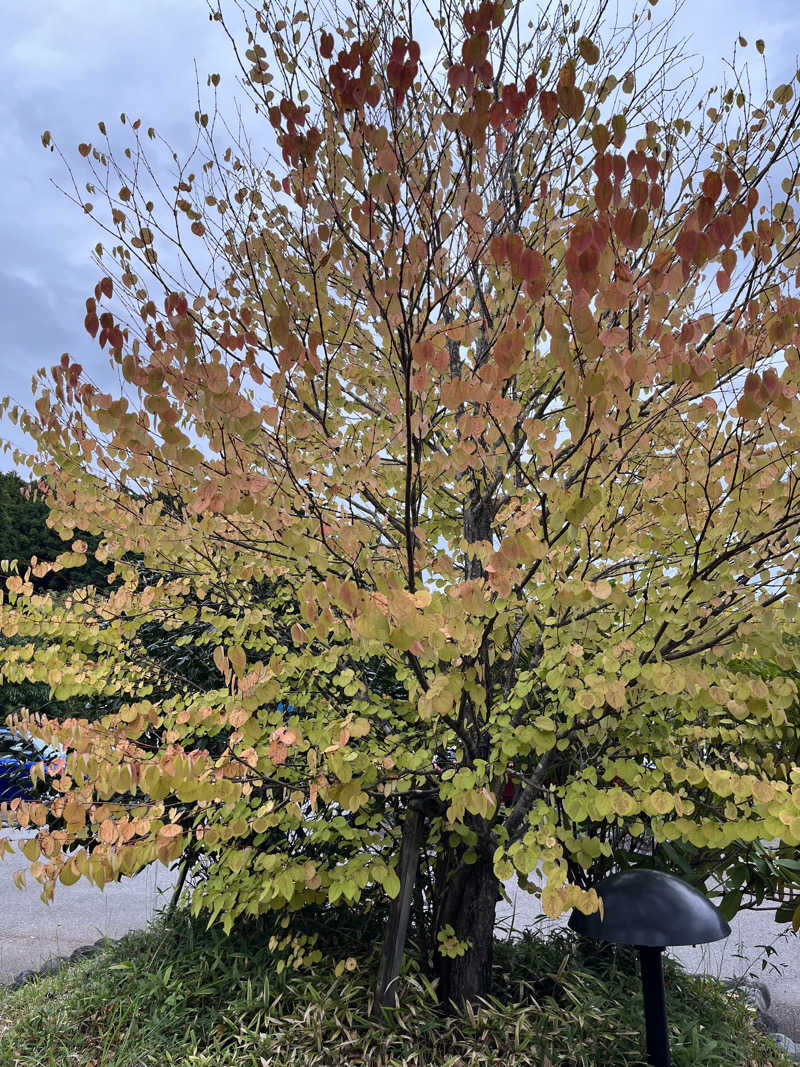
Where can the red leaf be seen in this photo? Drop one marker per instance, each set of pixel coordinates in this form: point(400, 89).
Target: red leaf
point(532, 265)
point(704, 211)
point(603, 166)
point(638, 227)
point(514, 251)
point(548, 105)
point(636, 162)
point(712, 185)
point(498, 247)
point(457, 76)
point(739, 215)
point(602, 194)
point(475, 49)
point(622, 224)
point(686, 244)
point(732, 183)
point(497, 114)
point(770, 384)
point(638, 192)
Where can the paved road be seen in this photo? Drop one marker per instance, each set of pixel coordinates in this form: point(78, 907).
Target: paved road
point(739, 956)
point(31, 931)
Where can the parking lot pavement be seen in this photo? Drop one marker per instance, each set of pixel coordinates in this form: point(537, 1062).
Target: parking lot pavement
point(31, 932)
point(758, 950)
point(755, 938)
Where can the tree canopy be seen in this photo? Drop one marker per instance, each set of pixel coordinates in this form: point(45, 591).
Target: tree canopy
point(489, 375)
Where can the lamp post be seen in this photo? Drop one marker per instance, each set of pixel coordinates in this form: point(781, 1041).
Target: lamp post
point(652, 911)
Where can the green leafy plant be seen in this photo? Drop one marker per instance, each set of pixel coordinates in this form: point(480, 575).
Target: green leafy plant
point(180, 994)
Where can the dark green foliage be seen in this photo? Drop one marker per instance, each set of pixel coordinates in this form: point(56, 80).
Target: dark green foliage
point(24, 533)
point(23, 523)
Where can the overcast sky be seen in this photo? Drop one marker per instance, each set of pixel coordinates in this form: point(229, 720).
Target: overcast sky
point(69, 63)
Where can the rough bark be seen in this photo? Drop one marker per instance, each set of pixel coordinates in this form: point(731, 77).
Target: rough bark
point(469, 907)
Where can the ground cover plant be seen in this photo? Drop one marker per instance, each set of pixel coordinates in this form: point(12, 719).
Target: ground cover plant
point(484, 370)
point(180, 995)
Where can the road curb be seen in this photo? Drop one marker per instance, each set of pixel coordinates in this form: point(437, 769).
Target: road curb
point(54, 964)
point(759, 998)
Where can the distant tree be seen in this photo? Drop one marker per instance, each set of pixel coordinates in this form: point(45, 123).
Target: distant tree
point(23, 522)
point(26, 535)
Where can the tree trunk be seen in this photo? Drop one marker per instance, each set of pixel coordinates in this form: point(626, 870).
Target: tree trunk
point(394, 941)
point(186, 864)
point(469, 907)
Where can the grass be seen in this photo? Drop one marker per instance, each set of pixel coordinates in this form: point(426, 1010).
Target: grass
point(179, 996)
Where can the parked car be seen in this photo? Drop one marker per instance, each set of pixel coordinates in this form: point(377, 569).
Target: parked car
point(17, 756)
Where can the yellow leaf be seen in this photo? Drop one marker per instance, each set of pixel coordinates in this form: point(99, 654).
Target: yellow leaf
point(600, 589)
point(237, 659)
point(107, 832)
point(74, 813)
point(589, 51)
point(763, 791)
point(30, 849)
point(660, 802)
point(69, 874)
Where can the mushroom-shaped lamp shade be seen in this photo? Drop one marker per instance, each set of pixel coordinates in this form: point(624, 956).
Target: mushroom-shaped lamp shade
point(651, 908)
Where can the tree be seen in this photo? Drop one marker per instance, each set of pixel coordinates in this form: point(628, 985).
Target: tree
point(25, 538)
point(493, 374)
point(25, 535)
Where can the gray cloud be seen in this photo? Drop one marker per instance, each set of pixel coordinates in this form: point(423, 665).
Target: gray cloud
point(68, 64)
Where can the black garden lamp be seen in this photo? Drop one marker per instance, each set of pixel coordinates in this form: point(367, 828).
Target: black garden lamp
point(652, 910)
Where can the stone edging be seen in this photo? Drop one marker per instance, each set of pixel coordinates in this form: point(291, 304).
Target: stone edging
point(52, 965)
point(758, 997)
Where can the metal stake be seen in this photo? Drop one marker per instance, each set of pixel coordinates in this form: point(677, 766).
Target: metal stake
point(655, 1010)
